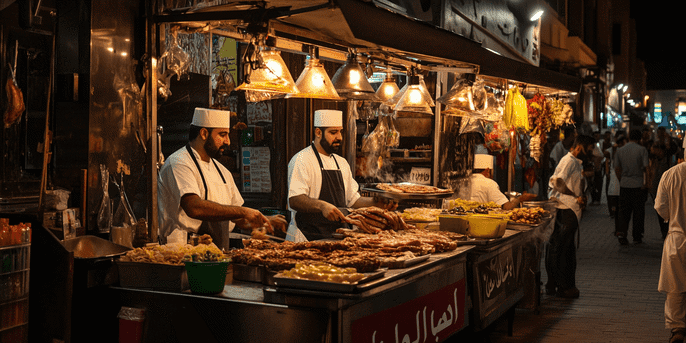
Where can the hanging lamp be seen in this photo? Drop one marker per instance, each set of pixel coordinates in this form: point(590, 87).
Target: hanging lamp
point(314, 82)
point(351, 82)
point(414, 99)
point(460, 97)
point(266, 71)
point(388, 88)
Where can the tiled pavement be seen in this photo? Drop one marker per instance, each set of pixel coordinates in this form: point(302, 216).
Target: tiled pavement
point(619, 301)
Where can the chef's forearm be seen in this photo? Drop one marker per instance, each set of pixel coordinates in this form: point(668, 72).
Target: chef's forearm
point(560, 186)
point(303, 203)
point(365, 202)
point(200, 209)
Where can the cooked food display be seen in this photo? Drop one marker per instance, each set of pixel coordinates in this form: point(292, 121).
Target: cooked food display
point(529, 216)
point(456, 206)
point(421, 214)
point(174, 254)
point(411, 188)
point(362, 251)
point(321, 271)
point(375, 220)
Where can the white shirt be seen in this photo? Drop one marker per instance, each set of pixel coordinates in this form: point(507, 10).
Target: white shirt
point(483, 190)
point(613, 187)
point(570, 170)
point(558, 152)
point(670, 204)
point(179, 176)
point(305, 177)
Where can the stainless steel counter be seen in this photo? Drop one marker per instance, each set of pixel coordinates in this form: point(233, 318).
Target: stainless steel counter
point(428, 299)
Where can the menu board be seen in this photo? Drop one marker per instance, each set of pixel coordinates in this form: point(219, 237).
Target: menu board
point(259, 112)
point(255, 169)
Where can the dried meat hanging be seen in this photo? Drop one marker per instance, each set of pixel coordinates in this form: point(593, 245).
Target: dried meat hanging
point(541, 123)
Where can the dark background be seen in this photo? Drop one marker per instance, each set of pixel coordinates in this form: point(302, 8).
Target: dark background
point(660, 31)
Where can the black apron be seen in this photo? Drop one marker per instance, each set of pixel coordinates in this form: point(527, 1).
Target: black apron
point(205, 227)
point(314, 225)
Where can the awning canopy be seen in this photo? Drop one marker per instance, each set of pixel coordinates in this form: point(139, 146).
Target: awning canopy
point(366, 27)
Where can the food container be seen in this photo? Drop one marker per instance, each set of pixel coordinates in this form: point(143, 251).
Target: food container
point(548, 205)
point(154, 276)
point(206, 277)
point(486, 225)
point(453, 223)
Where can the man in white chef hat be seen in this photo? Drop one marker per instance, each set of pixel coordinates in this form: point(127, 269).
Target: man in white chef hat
point(197, 194)
point(484, 189)
point(321, 185)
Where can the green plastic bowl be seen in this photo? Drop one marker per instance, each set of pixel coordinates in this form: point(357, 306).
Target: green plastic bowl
point(206, 277)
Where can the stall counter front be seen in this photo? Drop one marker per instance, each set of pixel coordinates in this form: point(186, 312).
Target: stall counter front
point(427, 302)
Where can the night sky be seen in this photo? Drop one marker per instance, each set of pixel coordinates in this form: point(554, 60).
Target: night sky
point(660, 42)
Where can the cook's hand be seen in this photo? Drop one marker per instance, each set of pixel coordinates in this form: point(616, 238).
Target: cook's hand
point(386, 204)
point(582, 201)
point(278, 222)
point(527, 197)
point(253, 219)
point(331, 212)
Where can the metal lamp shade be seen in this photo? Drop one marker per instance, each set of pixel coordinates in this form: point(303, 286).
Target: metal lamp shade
point(414, 98)
point(387, 90)
point(460, 96)
point(271, 76)
point(351, 82)
point(314, 83)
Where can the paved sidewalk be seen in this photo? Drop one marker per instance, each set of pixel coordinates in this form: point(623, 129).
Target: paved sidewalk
point(619, 300)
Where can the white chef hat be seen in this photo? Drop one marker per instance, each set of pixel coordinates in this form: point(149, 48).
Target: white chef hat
point(328, 118)
point(209, 118)
point(483, 161)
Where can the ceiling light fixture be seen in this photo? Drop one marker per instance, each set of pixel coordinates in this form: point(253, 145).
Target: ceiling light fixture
point(351, 82)
point(314, 82)
point(265, 70)
point(388, 88)
point(415, 98)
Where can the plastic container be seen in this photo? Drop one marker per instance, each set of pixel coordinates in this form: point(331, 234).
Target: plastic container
point(486, 226)
point(131, 324)
point(206, 277)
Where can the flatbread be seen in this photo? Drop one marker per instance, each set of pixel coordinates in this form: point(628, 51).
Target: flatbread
point(409, 188)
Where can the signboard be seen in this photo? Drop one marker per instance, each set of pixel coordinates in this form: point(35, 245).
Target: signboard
point(431, 318)
point(255, 169)
point(497, 283)
point(420, 176)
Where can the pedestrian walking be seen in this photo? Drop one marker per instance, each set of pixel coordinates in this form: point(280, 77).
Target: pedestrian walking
point(567, 184)
point(631, 163)
point(613, 181)
point(670, 203)
point(659, 163)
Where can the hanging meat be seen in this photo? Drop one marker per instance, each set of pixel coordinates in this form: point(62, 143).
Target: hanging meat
point(15, 103)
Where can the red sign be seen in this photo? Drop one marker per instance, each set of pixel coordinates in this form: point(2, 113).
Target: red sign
point(430, 318)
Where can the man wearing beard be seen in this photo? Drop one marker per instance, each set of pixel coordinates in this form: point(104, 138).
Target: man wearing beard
point(197, 194)
point(568, 185)
point(321, 185)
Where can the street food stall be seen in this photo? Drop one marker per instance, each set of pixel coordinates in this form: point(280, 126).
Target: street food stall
point(211, 56)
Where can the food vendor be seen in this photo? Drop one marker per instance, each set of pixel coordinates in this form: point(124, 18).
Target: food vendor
point(484, 189)
point(197, 194)
point(321, 185)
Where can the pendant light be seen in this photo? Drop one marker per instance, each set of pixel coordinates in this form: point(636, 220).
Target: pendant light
point(314, 82)
point(351, 82)
point(388, 88)
point(266, 71)
point(460, 97)
point(414, 99)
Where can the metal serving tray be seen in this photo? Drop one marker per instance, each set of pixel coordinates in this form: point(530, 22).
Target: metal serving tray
point(371, 187)
point(282, 281)
point(405, 263)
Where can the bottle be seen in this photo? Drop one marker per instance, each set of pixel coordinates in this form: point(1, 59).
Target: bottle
point(4, 234)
